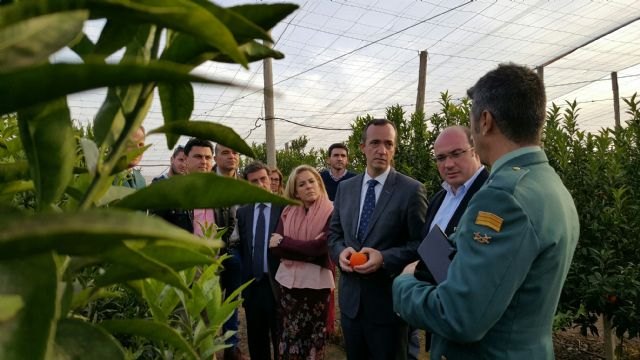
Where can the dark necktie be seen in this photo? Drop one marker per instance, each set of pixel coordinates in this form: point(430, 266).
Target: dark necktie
point(367, 209)
point(258, 244)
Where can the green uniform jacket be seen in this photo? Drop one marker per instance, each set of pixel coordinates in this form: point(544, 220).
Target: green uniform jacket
point(515, 244)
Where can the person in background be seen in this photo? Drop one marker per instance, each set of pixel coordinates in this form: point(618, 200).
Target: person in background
point(462, 176)
point(255, 223)
point(178, 164)
point(380, 214)
point(305, 273)
point(276, 181)
point(514, 242)
point(338, 159)
point(132, 177)
point(199, 157)
point(227, 161)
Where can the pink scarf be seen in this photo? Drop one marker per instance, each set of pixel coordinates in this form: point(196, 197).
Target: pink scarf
point(304, 224)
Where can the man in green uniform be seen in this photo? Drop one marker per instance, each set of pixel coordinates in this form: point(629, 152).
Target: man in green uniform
point(515, 241)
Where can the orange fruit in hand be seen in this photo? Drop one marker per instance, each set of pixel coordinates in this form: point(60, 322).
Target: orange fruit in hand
point(357, 258)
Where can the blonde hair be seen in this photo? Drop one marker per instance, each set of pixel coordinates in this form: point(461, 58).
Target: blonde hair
point(290, 190)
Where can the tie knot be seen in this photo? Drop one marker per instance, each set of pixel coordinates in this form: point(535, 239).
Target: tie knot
point(372, 183)
point(261, 206)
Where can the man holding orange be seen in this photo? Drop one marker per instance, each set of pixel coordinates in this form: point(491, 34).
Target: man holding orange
point(378, 217)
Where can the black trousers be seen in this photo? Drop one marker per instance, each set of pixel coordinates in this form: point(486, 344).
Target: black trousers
point(367, 340)
point(262, 320)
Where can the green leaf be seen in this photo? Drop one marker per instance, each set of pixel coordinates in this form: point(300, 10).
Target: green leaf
point(181, 15)
point(32, 41)
point(207, 130)
point(77, 339)
point(241, 28)
point(27, 335)
point(90, 152)
point(114, 193)
point(85, 233)
point(115, 35)
point(51, 153)
point(177, 105)
point(9, 306)
point(265, 16)
point(130, 264)
point(254, 51)
point(18, 170)
point(151, 330)
point(85, 296)
point(82, 46)
point(24, 87)
point(16, 187)
point(198, 191)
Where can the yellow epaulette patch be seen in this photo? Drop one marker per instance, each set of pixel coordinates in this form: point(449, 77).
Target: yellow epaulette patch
point(489, 220)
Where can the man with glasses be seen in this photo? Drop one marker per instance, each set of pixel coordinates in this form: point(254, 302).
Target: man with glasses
point(514, 242)
point(462, 175)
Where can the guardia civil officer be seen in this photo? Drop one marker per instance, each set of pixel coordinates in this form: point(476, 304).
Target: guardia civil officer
point(515, 241)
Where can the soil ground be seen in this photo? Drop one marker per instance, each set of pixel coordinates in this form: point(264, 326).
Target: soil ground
point(568, 345)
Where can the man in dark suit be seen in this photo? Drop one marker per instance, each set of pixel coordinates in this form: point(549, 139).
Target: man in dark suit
point(259, 297)
point(462, 175)
point(381, 214)
point(515, 241)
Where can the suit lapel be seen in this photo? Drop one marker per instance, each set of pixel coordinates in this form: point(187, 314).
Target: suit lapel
point(381, 204)
point(353, 206)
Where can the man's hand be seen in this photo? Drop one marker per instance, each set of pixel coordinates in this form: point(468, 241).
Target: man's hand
point(344, 259)
point(373, 264)
point(275, 240)
point(411, 268)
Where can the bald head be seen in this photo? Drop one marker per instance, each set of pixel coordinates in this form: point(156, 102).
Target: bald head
point(456, 160)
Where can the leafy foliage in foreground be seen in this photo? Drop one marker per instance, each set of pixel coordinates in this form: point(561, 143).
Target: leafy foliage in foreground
point(73, 246)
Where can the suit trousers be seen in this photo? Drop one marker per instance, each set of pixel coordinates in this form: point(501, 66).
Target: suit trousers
point(230, 280)
point(262, 320)
point(366, 339)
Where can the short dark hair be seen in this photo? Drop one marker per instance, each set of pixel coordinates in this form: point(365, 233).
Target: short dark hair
point(253, 167)
point(378, 122)
point(515, 97)
point(197, 142)
point(338, 146)
point(179, 149)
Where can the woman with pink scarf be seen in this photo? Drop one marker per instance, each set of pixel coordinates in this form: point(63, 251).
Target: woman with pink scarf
point(305, 273)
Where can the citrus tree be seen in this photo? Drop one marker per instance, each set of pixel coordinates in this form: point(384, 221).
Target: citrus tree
point(76, 221)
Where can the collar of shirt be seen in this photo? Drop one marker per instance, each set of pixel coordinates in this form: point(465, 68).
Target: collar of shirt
point(337, 178)
point(382, 178)
point(255, 207)
point(513, 154)
point(462, 190)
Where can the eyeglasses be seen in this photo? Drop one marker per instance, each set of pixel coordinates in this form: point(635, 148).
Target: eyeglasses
point(455, 154)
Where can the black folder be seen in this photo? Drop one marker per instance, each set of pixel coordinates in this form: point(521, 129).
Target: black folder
point(434, 252)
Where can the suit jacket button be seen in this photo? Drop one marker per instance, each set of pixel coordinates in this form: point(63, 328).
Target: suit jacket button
point(442, 357)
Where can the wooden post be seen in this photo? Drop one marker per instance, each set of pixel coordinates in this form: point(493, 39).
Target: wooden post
point(616, 98)
point(540, 70)
point(609, 339)
point(269, 111)
point(422, 82)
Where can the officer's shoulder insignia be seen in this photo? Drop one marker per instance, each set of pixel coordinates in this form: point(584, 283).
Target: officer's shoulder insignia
point(489, 220)
point(481, 238)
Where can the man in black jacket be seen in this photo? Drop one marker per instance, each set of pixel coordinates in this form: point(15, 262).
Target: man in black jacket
point(462, 174)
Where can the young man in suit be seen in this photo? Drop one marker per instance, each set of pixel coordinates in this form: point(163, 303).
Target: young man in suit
point(259, 298)
point(462, 175)
point(515, 242)
point(381, 214)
